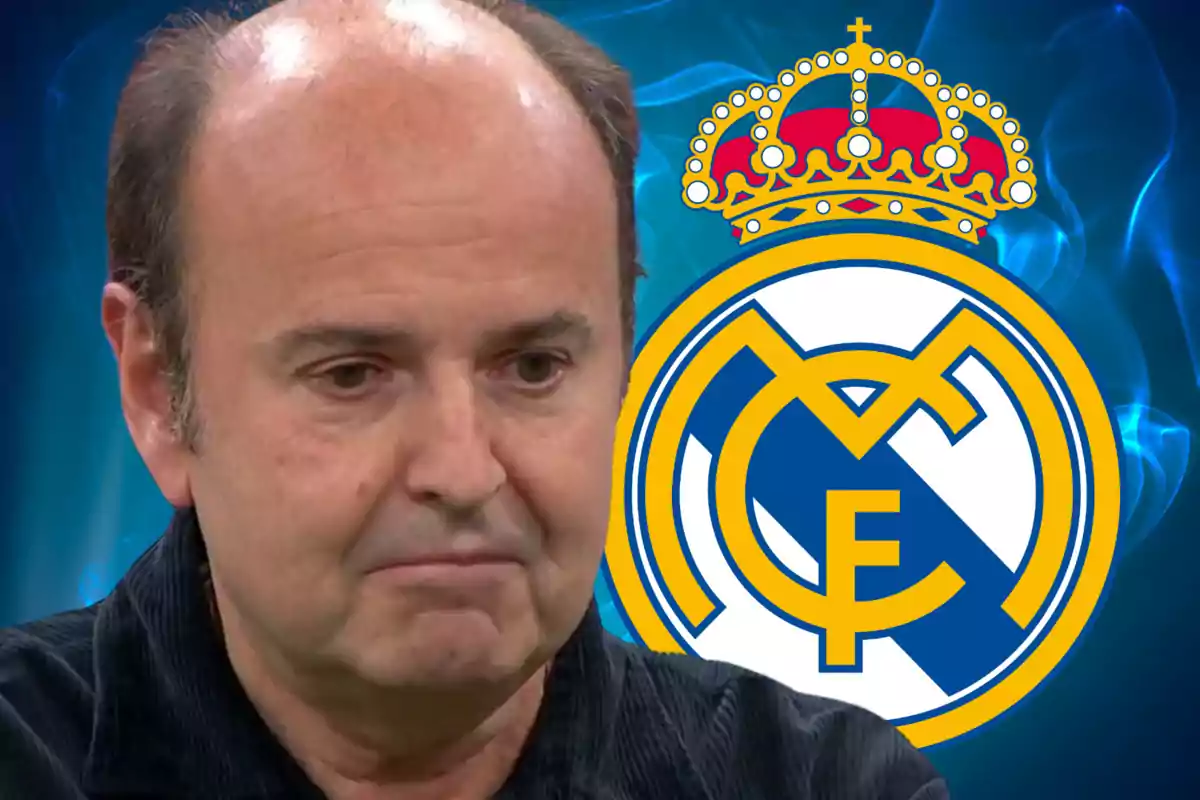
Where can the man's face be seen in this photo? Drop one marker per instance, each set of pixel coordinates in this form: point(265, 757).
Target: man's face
point(407, 358)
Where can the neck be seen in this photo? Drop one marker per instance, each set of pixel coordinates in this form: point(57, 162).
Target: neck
point(363, 742)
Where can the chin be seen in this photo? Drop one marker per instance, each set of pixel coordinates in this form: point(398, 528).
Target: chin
point(452, 648)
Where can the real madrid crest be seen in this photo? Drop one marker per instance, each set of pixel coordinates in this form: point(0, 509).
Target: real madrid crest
point(859, 459)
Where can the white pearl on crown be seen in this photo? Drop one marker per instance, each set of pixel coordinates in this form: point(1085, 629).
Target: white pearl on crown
point(772, 157)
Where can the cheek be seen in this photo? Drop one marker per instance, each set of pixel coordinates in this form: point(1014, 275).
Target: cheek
point(292, 495)
point(283, 511)
point(566, 479)
point(312, 494)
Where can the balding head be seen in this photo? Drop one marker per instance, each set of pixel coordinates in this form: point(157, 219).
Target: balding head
point(299, 38)
point(501, 60)
point(422, 103)
point(296, 45)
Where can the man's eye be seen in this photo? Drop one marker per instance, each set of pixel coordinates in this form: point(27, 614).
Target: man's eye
point(349, 377)
point(536, 370)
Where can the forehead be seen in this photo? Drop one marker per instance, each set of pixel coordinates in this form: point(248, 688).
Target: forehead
point(362, 149)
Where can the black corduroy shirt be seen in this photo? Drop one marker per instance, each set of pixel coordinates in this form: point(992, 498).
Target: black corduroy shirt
point(134, 697)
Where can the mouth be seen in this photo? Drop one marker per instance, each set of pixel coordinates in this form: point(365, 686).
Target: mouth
point(448, 562)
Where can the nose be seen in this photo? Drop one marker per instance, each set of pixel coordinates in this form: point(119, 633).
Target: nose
point(450, 461)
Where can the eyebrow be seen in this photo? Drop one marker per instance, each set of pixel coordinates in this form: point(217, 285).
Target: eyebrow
point(558, 325)
point(290, 344)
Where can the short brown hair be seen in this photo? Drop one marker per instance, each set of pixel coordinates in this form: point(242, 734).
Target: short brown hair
point(161, 108)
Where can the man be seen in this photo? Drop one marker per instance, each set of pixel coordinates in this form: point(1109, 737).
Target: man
point(371, 305)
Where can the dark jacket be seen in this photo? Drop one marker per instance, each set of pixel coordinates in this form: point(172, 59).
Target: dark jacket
point(134, 698)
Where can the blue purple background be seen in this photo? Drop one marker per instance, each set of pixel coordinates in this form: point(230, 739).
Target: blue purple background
point(1110, 98)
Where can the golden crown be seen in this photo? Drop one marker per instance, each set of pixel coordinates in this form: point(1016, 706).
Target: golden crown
point(858, 163)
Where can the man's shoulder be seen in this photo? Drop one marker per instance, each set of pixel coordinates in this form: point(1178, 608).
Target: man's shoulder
point(47, 693)
point(59, 646)
point(753, 736)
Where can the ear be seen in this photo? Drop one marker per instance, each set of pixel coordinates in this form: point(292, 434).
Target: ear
point(145, 392)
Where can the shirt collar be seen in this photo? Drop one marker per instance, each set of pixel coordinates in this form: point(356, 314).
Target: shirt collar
point(173, 720)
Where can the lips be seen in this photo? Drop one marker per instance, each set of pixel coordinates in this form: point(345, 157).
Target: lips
point(448, 559)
